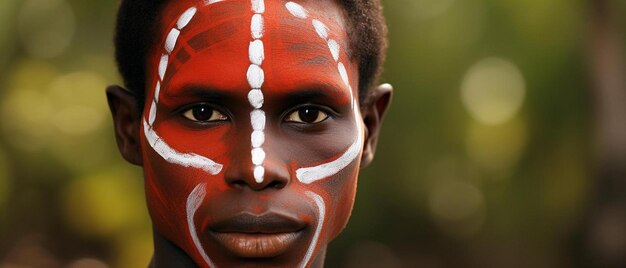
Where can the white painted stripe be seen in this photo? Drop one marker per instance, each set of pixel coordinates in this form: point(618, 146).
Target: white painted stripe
point(183, 159)
point(185, 18)
point(321, 29)
point(256, 52)
point(258, 6)
point(152, 115)
point(321, 208)
point(255, 97)
point(343, 73)
point(170, 41)
point(257, 117)
point(193, 204)
point(312, 174)
point(157, 91)
point(258, 156)
point(256, 26)
point(163, 65)
point(255, 76)
point(259, 173)
point(209, 2)
point(257, 138)
point(296, 10)
point(334, 48)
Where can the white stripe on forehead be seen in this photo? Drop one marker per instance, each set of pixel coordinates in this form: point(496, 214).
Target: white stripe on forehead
point(186, 17)
point(296, 10)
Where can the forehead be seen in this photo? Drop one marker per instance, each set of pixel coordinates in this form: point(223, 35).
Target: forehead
point(213, 49)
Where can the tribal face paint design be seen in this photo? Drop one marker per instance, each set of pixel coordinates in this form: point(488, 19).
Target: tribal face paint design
point(252, 131)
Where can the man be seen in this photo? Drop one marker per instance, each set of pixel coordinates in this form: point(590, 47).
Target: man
point(251, 119)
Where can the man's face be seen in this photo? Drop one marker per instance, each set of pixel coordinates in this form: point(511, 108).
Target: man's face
point(251, 135)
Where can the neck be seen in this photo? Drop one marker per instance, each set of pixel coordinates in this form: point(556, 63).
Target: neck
point(166, 254)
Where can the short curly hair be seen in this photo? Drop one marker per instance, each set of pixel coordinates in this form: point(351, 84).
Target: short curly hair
point(366, 29)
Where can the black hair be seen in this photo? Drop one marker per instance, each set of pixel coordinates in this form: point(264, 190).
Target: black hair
point(366, 29)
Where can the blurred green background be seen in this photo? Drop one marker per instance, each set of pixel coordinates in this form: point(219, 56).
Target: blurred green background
point(504, 146)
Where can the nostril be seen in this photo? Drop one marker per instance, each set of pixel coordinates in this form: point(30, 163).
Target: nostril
point(239, 183)
point(276, 184)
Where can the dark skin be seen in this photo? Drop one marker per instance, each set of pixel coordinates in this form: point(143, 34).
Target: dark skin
point(290, 143)
point(126, 120)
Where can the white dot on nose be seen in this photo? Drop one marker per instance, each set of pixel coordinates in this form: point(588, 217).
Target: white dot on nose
point(259, 172)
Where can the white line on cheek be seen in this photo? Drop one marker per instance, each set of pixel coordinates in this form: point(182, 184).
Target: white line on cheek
point(183, 159)
point(193, 204)
point(296, 10)
point(321, 208)
point(312, 174)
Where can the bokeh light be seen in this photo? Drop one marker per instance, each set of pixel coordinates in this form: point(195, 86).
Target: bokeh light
point(497, 148)
point(458, 206)
point(103, 204)
point(493, 90)
point(45, 27)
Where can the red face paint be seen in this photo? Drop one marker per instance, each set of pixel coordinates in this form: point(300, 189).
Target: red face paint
point(228, 218)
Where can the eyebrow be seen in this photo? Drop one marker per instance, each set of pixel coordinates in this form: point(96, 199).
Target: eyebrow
point(202, 92)
point(313, 92)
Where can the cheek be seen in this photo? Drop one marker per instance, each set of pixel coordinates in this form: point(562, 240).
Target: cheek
point(168, 187)
point(339, 196)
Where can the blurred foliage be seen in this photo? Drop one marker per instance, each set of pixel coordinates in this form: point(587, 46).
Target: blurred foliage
point(484, 159)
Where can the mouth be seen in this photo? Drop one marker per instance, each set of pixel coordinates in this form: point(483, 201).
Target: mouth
point(257, 236)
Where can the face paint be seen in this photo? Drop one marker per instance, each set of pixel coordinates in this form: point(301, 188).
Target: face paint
point(251, 185)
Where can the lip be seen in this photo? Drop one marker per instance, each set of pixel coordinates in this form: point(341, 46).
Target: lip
point(257, 236)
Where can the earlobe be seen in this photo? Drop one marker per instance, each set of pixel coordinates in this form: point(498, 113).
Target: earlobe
point(126, 122)
point(373, 115)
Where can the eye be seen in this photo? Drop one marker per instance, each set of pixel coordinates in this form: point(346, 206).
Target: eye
point(204, 113)
point(307, 115)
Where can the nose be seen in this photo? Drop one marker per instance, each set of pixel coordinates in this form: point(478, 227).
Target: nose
point(240, 172)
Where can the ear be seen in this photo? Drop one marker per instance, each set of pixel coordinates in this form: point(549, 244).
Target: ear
point(373, 115)
point(127, 122)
